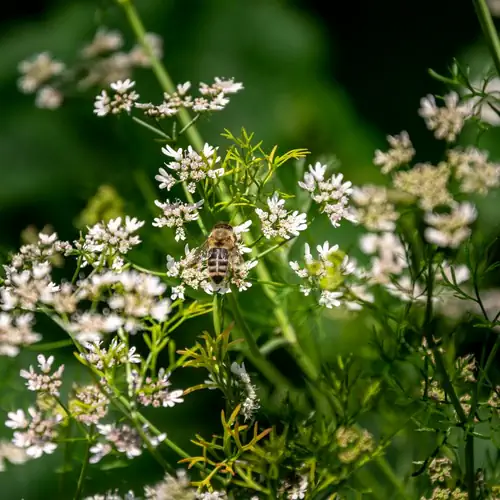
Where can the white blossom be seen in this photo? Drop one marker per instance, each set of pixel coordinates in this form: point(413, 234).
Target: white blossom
point(279, 222)
point(472, 168)
point(251, 402)
point(189, 166)
point(155, 392)
point(334, 275)
point(11, 453)
point(105, 242)
point(389, 256)
point(171, 488)
point(117, 353)
point(427, 182)
point(89, 405)
point(332, 194)
point(104, 41)
point(26, 288)
point(16, 331)
point(212, 98)
point(121, 439)
point(446, 121)
point(48, 97)
point(400, 153)
point(221, 86)
point(140, 57)
point(37, 71)
point(35, 432)
point(450, 229)
point(176, 214)
point(114, 495)
point(373, 209)
point(44, 382)
point(123, 98)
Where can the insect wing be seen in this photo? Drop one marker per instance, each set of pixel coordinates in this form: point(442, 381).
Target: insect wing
point(199, 255)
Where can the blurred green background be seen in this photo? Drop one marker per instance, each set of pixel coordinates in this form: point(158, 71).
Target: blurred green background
point(331, 77)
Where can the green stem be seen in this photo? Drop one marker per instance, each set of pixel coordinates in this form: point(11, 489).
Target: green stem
point(83, 471)
point(272, 249)
point(167, 86)
point(489, 31)
point(216, 314)
point(150, 127)
point(255, 355)
point(448, 386)
point(195, 139)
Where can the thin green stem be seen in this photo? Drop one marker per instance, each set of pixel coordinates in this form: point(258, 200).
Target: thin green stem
point(167, 85)
point(50, 346)
point(216, 311)
point(254, 354)
point(119, 401)
point(448, 386)
point(157, 131)
point(489, 31)
point(83, 471)
point(195, 139)
point(271, 249)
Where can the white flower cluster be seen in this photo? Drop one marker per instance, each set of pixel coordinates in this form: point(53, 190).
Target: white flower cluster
point(123, 99)
point(47, 248)
point(16, 331)
point(116, 354)
point(213, 98)
point(450, 229)
point(135, 295)
point(279, 222)
point(11, 453)
point(427, 182)
point(251, 402)
point(176, 487)
point(114, 495)
point(446, 121)
point(373, 209)
point(36, 73)
point(44, 382)
point(171, 487)
point(176, 214)
point(334, 275)
point(296, 490)
point(105, 63)
point(193, 272)
point(155, 392)
point(122, 439)
point(400, 153)
point(389, 256)
point(101, 63)
point(35, 432)
point(106, 243)
point(89, 405)
point(330, 193)
point(189, 166)
point(25, 288)
point(473, 170)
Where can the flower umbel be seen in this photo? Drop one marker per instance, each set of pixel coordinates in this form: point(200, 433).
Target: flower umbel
point(446, 121)
point(189, 166)
point(331, 193)
point(279, 222)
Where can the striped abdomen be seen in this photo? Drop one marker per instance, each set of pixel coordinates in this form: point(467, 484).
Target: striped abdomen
point(217, 264)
